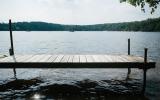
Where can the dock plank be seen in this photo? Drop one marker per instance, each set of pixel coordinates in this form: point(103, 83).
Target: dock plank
point(96, 59)
point(7, 59)
point(3, 59)
point(89, 58)
point(52, 58)
point(109, 59)
point(76, 58)
point(118, 58)
point(83, 58)
point(102, 58)
point(70, 60)
point(18, 57)
point(45, 58)
point(11, 58)
point(130, 58)
point(123, 58)
point(34, 58)
point(58, 59)
point(65, 58)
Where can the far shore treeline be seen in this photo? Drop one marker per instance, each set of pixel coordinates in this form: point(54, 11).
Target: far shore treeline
point(146, 25)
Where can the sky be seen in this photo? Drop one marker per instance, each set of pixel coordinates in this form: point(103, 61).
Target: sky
point(72, 11)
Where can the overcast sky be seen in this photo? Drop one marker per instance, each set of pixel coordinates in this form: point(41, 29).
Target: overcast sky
point(72, 11)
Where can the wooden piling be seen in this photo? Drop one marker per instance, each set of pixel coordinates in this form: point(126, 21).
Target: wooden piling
point(129, 69)
point(129, 47)
point(11, 50)
point(144, 70)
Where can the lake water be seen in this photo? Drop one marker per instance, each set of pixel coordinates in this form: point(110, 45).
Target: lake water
point(80, 43)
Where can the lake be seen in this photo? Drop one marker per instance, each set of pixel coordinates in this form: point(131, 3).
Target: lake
point(105, 42)
point(81, 42)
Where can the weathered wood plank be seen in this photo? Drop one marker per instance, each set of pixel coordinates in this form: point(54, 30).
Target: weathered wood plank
point(114, 58)
point(52, 58)
point(128, 58)
point(13, 58)
point(123, 59)
point(89, 58)
point(76, 58)
point(70, 60)
point(96, 58)
point(34, 58)
point(108, 57)
point(117, 58)
point(6, 59)
point(37, 58)
point(65, 58)
point(102, 58)
point(139, 59)
point(82, 58)
point(17, 57)
point(44, 58)
point(58, 59)
point(24, 58)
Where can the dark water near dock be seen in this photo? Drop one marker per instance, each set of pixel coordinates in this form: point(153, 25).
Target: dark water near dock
point(87, 84)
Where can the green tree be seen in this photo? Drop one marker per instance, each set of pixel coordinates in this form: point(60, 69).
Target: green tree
point(152, 4)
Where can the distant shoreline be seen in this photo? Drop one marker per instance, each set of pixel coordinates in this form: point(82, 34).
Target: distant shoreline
point(149, 25)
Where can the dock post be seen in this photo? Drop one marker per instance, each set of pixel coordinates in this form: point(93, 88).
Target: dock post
point(129, 49)
point(144, 70)
point(11, 50)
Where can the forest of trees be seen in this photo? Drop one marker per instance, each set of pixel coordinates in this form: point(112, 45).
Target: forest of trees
point(146, 25)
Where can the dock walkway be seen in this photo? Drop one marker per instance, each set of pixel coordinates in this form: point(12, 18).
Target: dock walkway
point(75, 61)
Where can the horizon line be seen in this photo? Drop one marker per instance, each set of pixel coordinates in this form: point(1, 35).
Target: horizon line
point(77, 24)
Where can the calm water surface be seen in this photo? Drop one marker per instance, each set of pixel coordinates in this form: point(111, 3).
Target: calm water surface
point(81, 43)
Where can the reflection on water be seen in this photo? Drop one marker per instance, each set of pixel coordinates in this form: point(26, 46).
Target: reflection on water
point(44, 83)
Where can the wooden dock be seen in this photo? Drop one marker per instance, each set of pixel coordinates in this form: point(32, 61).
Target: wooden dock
point(75, 61)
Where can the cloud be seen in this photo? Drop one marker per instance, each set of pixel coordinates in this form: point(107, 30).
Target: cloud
point(71, 11)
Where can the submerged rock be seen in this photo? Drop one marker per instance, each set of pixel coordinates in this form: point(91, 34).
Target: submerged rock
point(19, 84)
point(87, 83)
point(61, 88)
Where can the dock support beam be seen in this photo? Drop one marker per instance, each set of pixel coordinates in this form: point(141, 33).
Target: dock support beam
point(11, 50)
point(129, 49)
point(144, 70)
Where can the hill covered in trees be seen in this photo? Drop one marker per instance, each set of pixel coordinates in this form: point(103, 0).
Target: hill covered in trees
point(146, 25)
